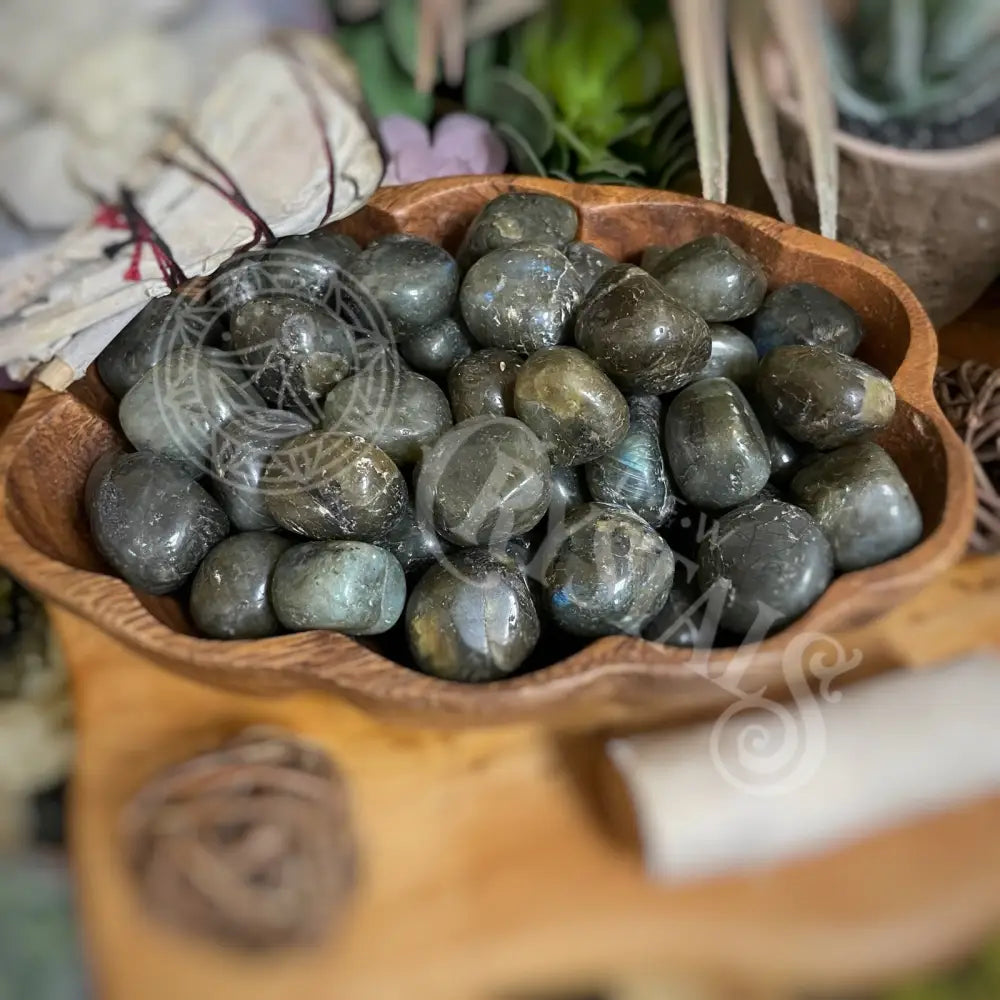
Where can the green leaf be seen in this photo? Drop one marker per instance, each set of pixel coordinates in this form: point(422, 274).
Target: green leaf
point(574, 143)
point(522, 155)
point(480, 58)
point(656, 67)
point(561, 175)
point(509, 98)
point(387, 88)
point(652, 118)
point(592, 45)
point(611, 165)
point(675, 131)
point(400, 24)
point(530, 48)
point(680, 163)
point(558, 157)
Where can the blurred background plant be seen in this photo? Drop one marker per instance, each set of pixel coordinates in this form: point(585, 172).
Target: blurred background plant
point(575, 90)
point(921, 74)
point(763, 96)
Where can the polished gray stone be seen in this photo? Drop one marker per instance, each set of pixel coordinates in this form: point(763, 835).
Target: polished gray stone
point(590, 262)
point(349, 587)
point(483, 384)
point(862, 502)
point(413, 280)
point(231, 591)
point(769, 561)
point(823, 397)
point(403, 413)
point(434, 350)
point(608, 572)
point(484, 481)
point(711, 275)
point(295, 352)
point(807, 315)
point(718, 453)
point(565, 398)
point(472, 619)
point(643, 339)
point(521, 298)
point(162, 325)
point(733, 356)
point(518, 217)
point(177, 406)
point(152, 522)
point(328, 485)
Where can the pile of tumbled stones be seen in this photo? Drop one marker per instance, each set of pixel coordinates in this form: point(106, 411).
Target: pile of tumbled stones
point(527, 439)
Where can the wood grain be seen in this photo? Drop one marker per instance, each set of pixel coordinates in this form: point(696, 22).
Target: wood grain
point(47, 452)
point(487, 871)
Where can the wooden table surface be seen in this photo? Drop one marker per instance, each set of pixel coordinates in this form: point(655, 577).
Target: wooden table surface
point(487, 868)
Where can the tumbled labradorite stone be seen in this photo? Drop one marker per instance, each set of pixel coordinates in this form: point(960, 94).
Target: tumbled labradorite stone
point(414, 542)
point(521, 298)
point(807, 315)
point(176, 407)
point(862, 503)
point(590, 262)
point(413, 280)
point(634, 473)
point(643, 339)
point(609, 572)
point(733, 356)
point(483, 384)
point(242, 447)
point(823, 397)
point(401, 412)
point(350, 587)
point(568, 489)
point(771, 561)
point(231, 592)
point(518, 218)
point(325, 484)
point(162, 325)
point(152, 522)
point(308, 267)
point(434, 349)
point(295, 352)
point(473, 619)
point(712, 276)
point(575, 409)
point(718, 453)
point(484, 481)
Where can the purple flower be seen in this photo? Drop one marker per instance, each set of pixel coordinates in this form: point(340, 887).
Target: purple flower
point(461, 144)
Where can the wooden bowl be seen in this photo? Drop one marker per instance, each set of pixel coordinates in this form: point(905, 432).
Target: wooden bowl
point(48, 450)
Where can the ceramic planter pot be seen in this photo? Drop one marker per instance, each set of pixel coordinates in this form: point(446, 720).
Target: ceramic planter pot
point(933, 216)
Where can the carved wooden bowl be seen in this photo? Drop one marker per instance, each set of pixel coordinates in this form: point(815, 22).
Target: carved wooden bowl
point(48, 450)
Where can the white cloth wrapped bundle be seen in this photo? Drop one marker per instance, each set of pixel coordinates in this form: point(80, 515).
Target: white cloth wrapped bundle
point(771, 784)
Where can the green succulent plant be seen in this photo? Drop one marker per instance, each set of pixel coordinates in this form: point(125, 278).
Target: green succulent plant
point(590, 92)
point(927, 60)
